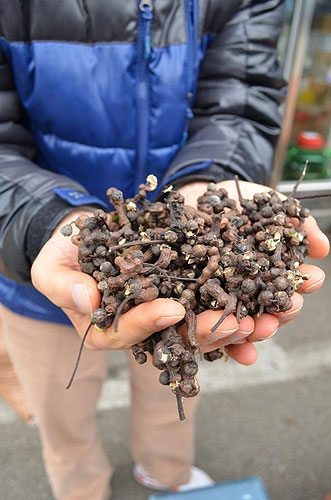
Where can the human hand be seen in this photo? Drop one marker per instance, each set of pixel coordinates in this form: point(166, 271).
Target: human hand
point(239, 339)
point(56, 274)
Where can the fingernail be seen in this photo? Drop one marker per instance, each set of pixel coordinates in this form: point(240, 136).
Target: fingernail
point(325, 238)
point(291, 314)
point(81, 298)
point(269, 337)
point(311, 287)
point(237, 336)
point(219, 335)
point(164, 321)
point(245, 333)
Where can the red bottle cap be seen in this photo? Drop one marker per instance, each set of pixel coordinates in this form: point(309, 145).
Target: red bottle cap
point(310, 140)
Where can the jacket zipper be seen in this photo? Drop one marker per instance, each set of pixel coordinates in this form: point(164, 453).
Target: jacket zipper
point(192, 38)
point(145, 16)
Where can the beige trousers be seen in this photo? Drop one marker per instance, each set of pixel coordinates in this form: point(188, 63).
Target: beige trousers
point(43, 355)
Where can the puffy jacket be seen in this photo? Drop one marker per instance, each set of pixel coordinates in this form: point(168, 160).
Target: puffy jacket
point(101, 93)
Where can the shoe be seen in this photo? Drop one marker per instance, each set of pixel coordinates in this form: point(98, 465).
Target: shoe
point(198, 479)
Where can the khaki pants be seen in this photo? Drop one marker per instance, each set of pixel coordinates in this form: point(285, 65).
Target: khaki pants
point(43, 355)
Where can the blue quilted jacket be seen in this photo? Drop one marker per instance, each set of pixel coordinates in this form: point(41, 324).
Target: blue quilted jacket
point(98, 94)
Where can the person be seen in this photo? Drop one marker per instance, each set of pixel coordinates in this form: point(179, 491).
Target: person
point(99, 94)
point(10, 389)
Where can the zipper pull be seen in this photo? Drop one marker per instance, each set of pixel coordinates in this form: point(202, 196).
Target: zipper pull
point(146, 4)
point(146, 7)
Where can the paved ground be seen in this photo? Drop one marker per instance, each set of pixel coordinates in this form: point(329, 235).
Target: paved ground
point(272, 419)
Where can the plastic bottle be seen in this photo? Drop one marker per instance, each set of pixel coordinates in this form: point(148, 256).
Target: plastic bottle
point(310, 146)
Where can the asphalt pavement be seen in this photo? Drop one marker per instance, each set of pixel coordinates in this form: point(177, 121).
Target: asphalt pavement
point(272, 419)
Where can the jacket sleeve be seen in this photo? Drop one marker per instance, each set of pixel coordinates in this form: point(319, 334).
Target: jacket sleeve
point(29, 209)
point(236, 121)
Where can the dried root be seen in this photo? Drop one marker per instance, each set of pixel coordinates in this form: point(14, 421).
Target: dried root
point(243, 261)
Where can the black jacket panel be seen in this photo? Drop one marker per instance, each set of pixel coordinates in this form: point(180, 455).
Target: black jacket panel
point(236, 119)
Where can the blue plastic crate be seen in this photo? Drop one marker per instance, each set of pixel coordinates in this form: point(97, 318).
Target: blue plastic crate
point(251, 488)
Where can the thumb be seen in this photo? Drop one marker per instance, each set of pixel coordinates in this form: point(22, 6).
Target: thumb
point(134, 326)
point(75, 291)
point(69, 289)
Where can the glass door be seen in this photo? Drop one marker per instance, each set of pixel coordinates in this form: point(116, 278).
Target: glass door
point(305, 52)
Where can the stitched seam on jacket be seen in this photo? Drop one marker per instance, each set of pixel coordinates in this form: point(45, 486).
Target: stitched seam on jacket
point(90, 44)
point(31, 196)
point(100, 147)
point(246, 89)
point(87, 19)
point(17, 184)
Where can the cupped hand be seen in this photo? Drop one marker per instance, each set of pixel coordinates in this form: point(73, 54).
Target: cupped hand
point(56, 274)
point(239, 339)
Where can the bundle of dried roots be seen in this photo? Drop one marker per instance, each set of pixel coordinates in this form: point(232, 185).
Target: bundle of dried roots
point(242, 258)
